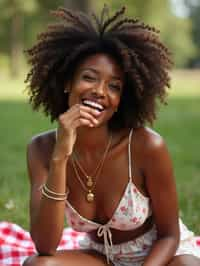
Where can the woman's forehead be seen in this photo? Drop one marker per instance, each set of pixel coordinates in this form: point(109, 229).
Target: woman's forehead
point(101, 63)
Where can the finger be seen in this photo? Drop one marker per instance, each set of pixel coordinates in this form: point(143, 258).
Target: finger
point(90, 110)
point(66, 120)
point(81, 122)
point(79, 110)
point(87, 115)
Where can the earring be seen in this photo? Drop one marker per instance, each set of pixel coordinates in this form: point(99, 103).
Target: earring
point(66, 90)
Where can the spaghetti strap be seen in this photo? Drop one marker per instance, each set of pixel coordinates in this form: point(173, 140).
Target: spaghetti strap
point(129, 155)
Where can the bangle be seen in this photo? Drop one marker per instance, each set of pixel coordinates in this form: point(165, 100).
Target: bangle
point(53, 192)
point(57, 159)
point(53, 198)
point(50, 194)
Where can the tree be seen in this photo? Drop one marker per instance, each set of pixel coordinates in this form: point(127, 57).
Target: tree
point(175, 32)
point(82, 5)
point(194, 14)
point(22, 20)
point(12, 19)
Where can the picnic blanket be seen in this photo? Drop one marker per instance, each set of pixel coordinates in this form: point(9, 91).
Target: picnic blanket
point(16, 244)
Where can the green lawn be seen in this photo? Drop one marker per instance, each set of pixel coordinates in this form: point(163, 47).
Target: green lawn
point(178, 123)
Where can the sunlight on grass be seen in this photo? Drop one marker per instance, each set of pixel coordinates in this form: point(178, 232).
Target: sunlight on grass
point(184, 84)
point(12, 89)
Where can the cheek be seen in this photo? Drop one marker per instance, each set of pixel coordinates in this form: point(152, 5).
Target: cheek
point(116, 99)
point(73, 97)
point(75, 93)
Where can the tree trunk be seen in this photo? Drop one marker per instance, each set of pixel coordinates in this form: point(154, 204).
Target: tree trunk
point(15, 44)
point(82, 5)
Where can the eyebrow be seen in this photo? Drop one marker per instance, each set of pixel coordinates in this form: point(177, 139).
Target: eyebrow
point(97, 72)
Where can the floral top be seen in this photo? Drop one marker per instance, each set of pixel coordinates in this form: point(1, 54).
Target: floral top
point(132, 211)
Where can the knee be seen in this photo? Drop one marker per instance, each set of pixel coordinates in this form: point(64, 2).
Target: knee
point(37, 260)
point(185, 260)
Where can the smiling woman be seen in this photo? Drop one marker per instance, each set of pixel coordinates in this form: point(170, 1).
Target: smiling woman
point(97, 76)
point(103, 168)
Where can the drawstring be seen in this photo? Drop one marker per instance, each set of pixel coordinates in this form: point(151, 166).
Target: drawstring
point(107, 235)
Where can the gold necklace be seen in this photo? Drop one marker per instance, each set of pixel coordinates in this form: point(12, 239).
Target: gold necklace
point(89, 178)
point(90, 185)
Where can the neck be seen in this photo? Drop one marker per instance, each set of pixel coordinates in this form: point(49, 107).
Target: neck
point(91, 140)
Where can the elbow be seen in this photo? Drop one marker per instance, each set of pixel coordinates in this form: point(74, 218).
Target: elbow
point(44, 251)
point(43, 247)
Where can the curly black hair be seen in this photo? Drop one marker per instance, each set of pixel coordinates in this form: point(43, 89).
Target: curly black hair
point(135, 46)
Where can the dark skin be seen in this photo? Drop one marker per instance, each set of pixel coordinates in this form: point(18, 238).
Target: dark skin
point(84, 130)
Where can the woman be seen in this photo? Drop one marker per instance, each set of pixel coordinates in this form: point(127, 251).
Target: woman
point(103, 168)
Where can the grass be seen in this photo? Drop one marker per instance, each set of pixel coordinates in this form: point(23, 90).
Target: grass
point(178, 123)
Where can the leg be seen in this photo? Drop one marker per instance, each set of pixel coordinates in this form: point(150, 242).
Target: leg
point(68, 258)
point(185, 260)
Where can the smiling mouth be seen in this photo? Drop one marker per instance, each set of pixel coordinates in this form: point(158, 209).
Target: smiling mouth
point(93, 105)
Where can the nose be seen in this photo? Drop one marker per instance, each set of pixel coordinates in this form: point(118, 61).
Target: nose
point(99, 90)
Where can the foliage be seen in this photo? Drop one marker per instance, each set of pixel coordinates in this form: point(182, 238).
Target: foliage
point(182, 46)
point(175, 32)
point(33, 17)
point(194, 14)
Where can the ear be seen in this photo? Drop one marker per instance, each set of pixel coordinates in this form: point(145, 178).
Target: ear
point(67, 87)
point(66, 90)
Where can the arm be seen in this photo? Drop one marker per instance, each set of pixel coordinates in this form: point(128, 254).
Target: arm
point(47, 215)
point(162, 190)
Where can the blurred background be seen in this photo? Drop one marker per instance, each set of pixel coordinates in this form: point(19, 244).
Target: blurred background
point(178, 122)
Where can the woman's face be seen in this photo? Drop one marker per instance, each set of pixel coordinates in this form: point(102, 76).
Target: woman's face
point(97, 83)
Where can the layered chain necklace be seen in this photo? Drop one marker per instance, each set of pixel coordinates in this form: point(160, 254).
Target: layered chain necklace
point(91, 179)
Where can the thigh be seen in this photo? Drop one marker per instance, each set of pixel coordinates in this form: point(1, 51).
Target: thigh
point(185, 260)
point(68, 258)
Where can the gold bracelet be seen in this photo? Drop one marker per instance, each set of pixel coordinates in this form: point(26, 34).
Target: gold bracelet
point(53, 198)
point(58, 159)
point(53, 192)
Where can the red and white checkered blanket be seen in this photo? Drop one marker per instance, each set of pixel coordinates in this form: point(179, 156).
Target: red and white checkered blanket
point(16, 244)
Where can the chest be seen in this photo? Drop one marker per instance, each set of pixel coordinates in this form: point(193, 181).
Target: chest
point(111, 185)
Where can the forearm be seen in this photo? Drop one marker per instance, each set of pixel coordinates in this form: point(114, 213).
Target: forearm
point(162, 252)
point(48, 223)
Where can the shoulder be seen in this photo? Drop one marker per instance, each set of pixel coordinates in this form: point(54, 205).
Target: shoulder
point(148, 139)
point(148, 143)
point(41, 146)
point(153, 155)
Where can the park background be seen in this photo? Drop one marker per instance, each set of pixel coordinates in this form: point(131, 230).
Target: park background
point(178, 122)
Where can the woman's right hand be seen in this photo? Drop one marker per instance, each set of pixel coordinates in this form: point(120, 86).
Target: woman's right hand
point(78, 115)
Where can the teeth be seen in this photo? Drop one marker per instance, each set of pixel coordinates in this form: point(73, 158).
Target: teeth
point(93, 104)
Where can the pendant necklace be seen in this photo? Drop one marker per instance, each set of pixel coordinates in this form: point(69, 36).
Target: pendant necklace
point(91, 179)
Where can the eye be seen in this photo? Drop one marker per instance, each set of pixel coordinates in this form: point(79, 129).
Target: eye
point(89, 78)
point(115, 87)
